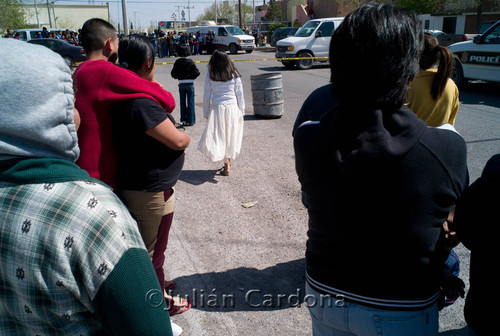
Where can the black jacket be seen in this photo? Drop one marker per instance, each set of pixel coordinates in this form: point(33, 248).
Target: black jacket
point(185, 68)
point(379, 187)
point(477, 226)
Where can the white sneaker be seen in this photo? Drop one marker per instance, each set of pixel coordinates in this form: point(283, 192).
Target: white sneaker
point(176, 330)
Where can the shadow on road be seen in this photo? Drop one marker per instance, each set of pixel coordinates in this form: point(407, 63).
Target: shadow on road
point(481, 93)
point(197, 177)
point(246, 289)
point(283, 69)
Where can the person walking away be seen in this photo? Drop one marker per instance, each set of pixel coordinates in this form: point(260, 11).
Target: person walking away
point(186, 71)
point(433, 96)
point(99, 82)
point(164, 45)
point(474, 210)
point(373, 153)
point(72, 261)
point(224, 108)
point(171, 47)
point(196, 45)
point(150, 152)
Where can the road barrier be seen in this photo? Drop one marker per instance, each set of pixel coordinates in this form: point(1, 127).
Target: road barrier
point(255, 60)
point(243, 60)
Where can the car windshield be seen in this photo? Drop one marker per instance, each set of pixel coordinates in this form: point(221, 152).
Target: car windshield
point(307, 29)
point(233, 30)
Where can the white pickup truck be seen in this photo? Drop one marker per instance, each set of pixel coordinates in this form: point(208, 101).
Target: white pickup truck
point(479, 58)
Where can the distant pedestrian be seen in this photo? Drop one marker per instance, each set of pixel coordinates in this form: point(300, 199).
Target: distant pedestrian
point(186, 71)
point(433, 96)
point(476, 224)
point(224, 108)
point(196, 45)
point(150, 156)
point(379, 184)
point(45, 33)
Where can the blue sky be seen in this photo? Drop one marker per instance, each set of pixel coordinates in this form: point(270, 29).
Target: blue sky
point(141, 13)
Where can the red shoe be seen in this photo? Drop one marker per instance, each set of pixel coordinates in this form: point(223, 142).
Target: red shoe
point(175, 310)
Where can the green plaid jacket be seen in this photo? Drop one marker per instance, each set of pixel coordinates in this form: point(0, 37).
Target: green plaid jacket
point(59, 241)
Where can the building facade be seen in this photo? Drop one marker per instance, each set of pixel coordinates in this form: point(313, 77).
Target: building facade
point(55, 16)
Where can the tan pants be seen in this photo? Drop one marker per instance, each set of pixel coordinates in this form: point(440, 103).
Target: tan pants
point(148, 209)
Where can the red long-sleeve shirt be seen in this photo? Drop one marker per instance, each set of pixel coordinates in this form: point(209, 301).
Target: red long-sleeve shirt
point(99, 84)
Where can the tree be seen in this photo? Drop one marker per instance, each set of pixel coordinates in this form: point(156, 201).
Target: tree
point(11, 15)
point(229, 11)
point(273, 11)
point(422, 6)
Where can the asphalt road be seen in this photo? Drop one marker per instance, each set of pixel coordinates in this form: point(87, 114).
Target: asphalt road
point(242, 267)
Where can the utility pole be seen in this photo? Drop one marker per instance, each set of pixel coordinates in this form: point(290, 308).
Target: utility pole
point(215, 11)
point(179, 13)
point(239, 14)
point(48, 9)
point(253, 11)
point(125, 18)
point(189, 12)
point(36, 12)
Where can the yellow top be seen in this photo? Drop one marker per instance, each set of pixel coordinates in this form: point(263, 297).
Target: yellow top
point(434, 113)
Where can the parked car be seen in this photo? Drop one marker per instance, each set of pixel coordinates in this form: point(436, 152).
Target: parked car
point(281, 33)
point(479, 58)
point(447, 39)
point(69, 52)
point(311, 40)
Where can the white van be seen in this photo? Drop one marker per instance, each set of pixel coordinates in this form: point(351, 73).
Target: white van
point(230, 38)
point(311, 40)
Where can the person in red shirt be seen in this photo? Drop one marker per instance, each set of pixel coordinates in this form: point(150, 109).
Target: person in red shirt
point(99, 83)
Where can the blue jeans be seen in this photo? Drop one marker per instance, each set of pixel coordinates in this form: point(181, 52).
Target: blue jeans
point(334, 317)
point(186, 93)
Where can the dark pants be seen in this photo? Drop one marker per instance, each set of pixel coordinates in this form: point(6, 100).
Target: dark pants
point(186, 93)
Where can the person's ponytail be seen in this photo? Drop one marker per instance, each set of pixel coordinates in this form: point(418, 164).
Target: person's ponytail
point(445, 68)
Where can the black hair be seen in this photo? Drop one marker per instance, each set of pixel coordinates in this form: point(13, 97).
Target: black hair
point(184, 51)
point(221, 68)
point(94, 34)
point(134, 50)
point(374, 54)
point(432, 54)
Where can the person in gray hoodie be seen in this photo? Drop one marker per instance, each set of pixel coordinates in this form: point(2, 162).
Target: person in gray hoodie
point(72, 261)
point(379, 184)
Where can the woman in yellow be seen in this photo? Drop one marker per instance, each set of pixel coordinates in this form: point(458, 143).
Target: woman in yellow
point(435, 95)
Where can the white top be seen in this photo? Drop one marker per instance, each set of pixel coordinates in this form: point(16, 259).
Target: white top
point(223, 93)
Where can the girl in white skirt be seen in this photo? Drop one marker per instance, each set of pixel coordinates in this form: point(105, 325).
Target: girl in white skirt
point(224, 108)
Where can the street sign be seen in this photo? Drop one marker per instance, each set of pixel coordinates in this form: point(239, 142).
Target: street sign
point(162, 24)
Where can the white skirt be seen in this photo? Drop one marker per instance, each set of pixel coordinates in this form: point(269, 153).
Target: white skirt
point(223, 133)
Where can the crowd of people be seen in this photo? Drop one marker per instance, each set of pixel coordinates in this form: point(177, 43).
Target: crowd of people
point(87, 190)
point(67, 35)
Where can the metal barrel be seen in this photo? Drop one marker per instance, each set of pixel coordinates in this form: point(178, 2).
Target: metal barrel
point(267, 95)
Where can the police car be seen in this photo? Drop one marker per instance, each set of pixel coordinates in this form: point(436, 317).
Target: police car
point(479, 58)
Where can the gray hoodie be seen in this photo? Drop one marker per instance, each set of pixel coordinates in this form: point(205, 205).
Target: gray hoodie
point(30, 126)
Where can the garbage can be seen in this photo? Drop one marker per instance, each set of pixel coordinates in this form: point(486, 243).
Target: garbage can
point(267, 95)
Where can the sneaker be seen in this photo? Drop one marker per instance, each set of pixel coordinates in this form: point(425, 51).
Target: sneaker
point(176, 330)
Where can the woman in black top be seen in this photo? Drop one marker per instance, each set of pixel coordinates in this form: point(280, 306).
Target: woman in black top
point(379, 184)
point(150, 152)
